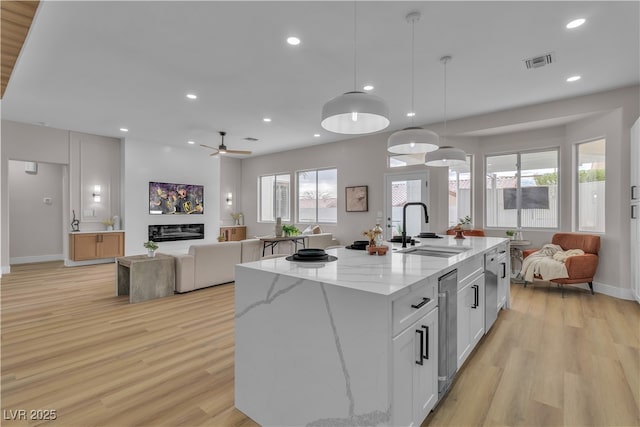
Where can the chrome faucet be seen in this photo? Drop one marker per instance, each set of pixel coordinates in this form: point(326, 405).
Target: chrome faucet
point(404, 219)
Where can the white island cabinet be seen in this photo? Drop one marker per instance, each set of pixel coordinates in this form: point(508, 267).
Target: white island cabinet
point(347, 342)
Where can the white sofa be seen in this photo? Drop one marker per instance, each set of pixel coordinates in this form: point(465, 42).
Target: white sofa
point(320, 240)
point(213, 263)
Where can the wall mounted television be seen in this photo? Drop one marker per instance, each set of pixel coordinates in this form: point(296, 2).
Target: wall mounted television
point(175, 199)
point(532, 198)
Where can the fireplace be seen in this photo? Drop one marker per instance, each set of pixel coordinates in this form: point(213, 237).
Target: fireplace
point(173, 232)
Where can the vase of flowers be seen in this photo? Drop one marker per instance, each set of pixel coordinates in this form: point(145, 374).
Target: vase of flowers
point(236, 217)
point(465, 222)
point(372, 235)
point(151, 248)
point(108, 222)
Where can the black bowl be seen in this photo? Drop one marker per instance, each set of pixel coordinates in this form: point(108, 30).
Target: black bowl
point(311, 252)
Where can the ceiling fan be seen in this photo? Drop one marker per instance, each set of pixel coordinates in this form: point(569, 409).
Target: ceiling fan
point(222, 149)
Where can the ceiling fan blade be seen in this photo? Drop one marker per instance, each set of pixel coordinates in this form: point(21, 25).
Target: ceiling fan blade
point(215, 154)
point(238, 152)
point(208, 146)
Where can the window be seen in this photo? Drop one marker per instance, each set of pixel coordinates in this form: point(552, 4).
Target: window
point(591, 185)
point(274, 194)
point(460, 190)
point(318, 196)
point(522, 190)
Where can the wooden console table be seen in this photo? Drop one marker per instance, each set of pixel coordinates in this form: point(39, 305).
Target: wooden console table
point(144, 278)
point(272, 242)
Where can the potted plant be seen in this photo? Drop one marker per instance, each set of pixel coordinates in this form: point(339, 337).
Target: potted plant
point(236, 217)
point(151, 247)
point(290, 230)
point(465, 222)
point(510, 234)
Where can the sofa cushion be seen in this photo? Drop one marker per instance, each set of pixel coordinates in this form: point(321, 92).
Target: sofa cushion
point(215, 263)
point(251, 250)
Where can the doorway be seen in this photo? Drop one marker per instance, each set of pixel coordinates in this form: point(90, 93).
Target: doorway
point(399, 189)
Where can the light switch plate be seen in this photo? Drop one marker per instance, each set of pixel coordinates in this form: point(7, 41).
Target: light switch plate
point(47, 200)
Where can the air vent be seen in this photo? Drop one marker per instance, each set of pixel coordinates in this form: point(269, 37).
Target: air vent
point(539, 61)
point(250, 139)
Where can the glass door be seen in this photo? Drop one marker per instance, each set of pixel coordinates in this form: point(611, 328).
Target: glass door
point(400, 189)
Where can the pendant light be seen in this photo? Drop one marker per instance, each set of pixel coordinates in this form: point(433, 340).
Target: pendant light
point(355, 112)
point(445, 155)
point(413, 139)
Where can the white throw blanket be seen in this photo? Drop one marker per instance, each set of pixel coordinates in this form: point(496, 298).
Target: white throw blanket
point(548, 263)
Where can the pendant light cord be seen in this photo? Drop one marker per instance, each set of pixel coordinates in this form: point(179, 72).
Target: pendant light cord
point(355, 50)
point(413, 50)
point(445, 60)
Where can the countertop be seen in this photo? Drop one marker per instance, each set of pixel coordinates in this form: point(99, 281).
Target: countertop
point(96, 231)
point(384, 275)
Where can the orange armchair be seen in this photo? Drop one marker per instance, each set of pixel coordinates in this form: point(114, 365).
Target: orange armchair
point(474, 232)
point(581, 268)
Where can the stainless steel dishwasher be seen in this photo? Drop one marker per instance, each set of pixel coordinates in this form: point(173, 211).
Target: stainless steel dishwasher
point(447, 330)
point(491, 267)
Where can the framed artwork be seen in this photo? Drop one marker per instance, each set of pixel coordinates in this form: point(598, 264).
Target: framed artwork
point(357, 198)
point(176, 199)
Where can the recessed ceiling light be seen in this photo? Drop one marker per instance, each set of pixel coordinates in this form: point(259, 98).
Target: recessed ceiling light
point(191, 142)
point(574, 78)
point(293, 41)
point(192, 96)
point(124, 130)
point(316, 135)
point(266, 119)
point(368, 87)
point(576, 23)
point(411, 114)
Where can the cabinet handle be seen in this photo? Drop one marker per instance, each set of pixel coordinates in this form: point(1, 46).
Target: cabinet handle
point(633, 212)
point(633, 192)
point(504, 269)
point(426, 342)
point(419, 361)
point(475, 296)
point(424, 301)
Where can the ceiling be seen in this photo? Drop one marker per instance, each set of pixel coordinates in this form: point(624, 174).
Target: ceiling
point(99, 66)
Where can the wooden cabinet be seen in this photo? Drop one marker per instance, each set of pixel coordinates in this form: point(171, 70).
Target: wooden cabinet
point(88, 246)
point(234, 234)
point(470, 316)
point(415, 371)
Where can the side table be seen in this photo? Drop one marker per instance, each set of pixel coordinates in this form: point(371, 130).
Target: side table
point(516, 254)
point(144, 278)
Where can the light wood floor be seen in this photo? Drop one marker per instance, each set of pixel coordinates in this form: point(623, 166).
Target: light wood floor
point(69, 344)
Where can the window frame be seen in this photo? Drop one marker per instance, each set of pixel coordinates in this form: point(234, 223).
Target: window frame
point(576, 187)
point(297, 202)
point(273, 200)
point(518, 155)
point(471, 158)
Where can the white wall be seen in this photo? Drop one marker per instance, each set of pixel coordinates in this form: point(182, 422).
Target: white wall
point(362, 161)
point(84, 159)
point(230, 182)
point(36, 227)
point(145, 162)
point(21, 141)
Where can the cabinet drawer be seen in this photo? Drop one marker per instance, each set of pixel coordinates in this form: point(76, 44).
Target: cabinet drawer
point(468, 269)
point(410, 307)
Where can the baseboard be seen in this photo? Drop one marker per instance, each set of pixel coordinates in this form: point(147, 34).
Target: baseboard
point(37, 258)
point(612, 291)
point(69, 263)
point(5, 269)
point(601, 288)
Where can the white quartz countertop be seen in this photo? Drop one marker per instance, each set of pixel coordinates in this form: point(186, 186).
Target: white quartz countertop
point(384, 275)
point(96, 231)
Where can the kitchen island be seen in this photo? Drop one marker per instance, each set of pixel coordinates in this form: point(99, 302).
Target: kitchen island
point(352, 341)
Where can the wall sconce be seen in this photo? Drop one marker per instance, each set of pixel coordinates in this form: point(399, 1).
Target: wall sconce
point(229, 199)
point(96, 193)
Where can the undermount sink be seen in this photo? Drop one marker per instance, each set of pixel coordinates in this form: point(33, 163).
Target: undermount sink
point(434, 251)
